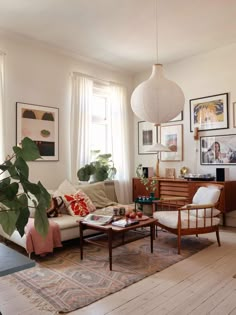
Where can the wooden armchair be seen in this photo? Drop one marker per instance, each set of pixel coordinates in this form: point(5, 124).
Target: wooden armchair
point(201, 216)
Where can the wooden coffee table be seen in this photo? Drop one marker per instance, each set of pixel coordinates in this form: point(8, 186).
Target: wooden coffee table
point(111, 231)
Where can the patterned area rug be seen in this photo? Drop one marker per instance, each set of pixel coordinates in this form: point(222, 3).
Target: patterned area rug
point(61, 283)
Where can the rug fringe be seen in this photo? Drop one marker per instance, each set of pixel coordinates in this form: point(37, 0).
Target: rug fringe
point(33, 297)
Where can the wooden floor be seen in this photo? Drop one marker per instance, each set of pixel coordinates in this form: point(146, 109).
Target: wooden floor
point(201, 284)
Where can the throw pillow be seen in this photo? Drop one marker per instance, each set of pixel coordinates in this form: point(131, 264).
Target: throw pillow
point(54, 209)
point(96, 192)
point(65, 188)
point(76, 205)
point(206, 195)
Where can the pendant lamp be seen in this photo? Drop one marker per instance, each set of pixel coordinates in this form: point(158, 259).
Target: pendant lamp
point(157, 100)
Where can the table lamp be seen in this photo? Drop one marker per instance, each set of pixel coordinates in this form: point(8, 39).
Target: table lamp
point(158, 147)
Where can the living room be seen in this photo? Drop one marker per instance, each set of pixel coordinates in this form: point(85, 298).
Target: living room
point(40, 74)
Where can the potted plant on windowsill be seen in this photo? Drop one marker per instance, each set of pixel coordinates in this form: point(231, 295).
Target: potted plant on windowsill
point(99, 170)
point(16, 189)
point(149, 183)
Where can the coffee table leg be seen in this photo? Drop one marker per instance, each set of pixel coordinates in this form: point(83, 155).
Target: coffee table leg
point(81, 239)
point(110, 247)
point(152, 228)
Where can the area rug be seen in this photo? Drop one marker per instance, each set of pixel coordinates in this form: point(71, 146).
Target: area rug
point(61, 282)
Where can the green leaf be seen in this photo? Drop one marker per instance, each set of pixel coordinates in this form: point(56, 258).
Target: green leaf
point(4, 167)
point(29, 150)
point(4, 183)
point(31, 187)
point(8, 220)
point(22, 167)
point(41, 221)
point(22, 220)
point(11, 190)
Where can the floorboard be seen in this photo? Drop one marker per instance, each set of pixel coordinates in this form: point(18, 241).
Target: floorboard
point(200, 284)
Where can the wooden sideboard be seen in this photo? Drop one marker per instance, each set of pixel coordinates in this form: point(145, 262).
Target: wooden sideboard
point(185, 188)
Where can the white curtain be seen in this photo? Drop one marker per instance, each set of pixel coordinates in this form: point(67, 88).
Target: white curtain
point(120, 142)
point(2, 120)
point(80, 122)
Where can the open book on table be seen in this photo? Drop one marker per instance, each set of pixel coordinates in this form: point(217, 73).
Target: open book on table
point(98, 219)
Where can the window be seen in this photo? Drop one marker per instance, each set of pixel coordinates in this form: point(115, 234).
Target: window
point(101, 121)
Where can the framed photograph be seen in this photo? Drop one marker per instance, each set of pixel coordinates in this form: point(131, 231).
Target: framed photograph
point(147, 137)
point(210, 112)
point(172, 137)
point(170, 172)
point(40, 123)
point(178, 117)
point(234, 113)
point(218, 149)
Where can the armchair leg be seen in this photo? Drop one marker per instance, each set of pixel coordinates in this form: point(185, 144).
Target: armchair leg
point(218, 237)
point(179, 243)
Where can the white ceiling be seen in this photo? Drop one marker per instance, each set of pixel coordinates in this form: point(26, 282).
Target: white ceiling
point(123, 32)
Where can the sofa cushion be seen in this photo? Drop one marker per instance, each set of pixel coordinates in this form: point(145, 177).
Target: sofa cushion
point(66, 221)
point(96, 192)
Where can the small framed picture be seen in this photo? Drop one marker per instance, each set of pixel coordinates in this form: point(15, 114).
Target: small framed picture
point(218, 149)
point(178, 117)
point(209, 112)
point(234, 113)
point(170, 172)
point(172, 137)
point(147, 137)
point(40, 123)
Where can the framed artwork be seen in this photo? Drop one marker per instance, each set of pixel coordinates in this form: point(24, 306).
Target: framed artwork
point(40, 123)
point(178, 117)
point(172, 137)
point(210, 112)
point(147, 137)
point(234, 113)
point(170, 172)
point(218, 149)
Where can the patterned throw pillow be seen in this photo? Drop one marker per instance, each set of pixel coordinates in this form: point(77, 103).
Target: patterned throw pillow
point(55, 206)
point(79, 204)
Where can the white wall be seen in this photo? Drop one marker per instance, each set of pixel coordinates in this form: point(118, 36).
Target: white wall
point(39, 75)
point(203, 75)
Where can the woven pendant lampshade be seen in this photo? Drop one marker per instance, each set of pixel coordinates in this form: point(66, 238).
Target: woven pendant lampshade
point(157, 100)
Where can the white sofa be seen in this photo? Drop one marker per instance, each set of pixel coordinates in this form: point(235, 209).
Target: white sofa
point(102, 195)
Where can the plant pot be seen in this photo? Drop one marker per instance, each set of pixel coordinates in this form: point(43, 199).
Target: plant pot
point(152, 195)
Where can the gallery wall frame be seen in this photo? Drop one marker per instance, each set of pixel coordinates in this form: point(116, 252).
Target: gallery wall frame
point(172, 137)
point(220, 149)
point(147, 137)
point(40, 123)
point(209, 112)
point(234, 114)
point(178, 117)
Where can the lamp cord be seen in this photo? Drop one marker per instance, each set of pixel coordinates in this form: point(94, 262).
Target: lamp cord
point(156, 31)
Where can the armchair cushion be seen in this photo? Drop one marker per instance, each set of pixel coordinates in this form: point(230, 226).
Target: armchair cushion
point(206, 195)
point(204, 212)
point(170, 219)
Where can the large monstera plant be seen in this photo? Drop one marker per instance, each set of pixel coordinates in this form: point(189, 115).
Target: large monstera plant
point(16, 190)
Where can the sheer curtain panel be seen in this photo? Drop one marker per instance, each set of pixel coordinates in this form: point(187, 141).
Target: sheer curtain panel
point(2, 120)
point(80, 123)
point(120, 142)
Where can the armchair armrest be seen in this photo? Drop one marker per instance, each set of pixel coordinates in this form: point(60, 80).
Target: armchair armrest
point(169, 203)
point(166, 199)
point(197, 206)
